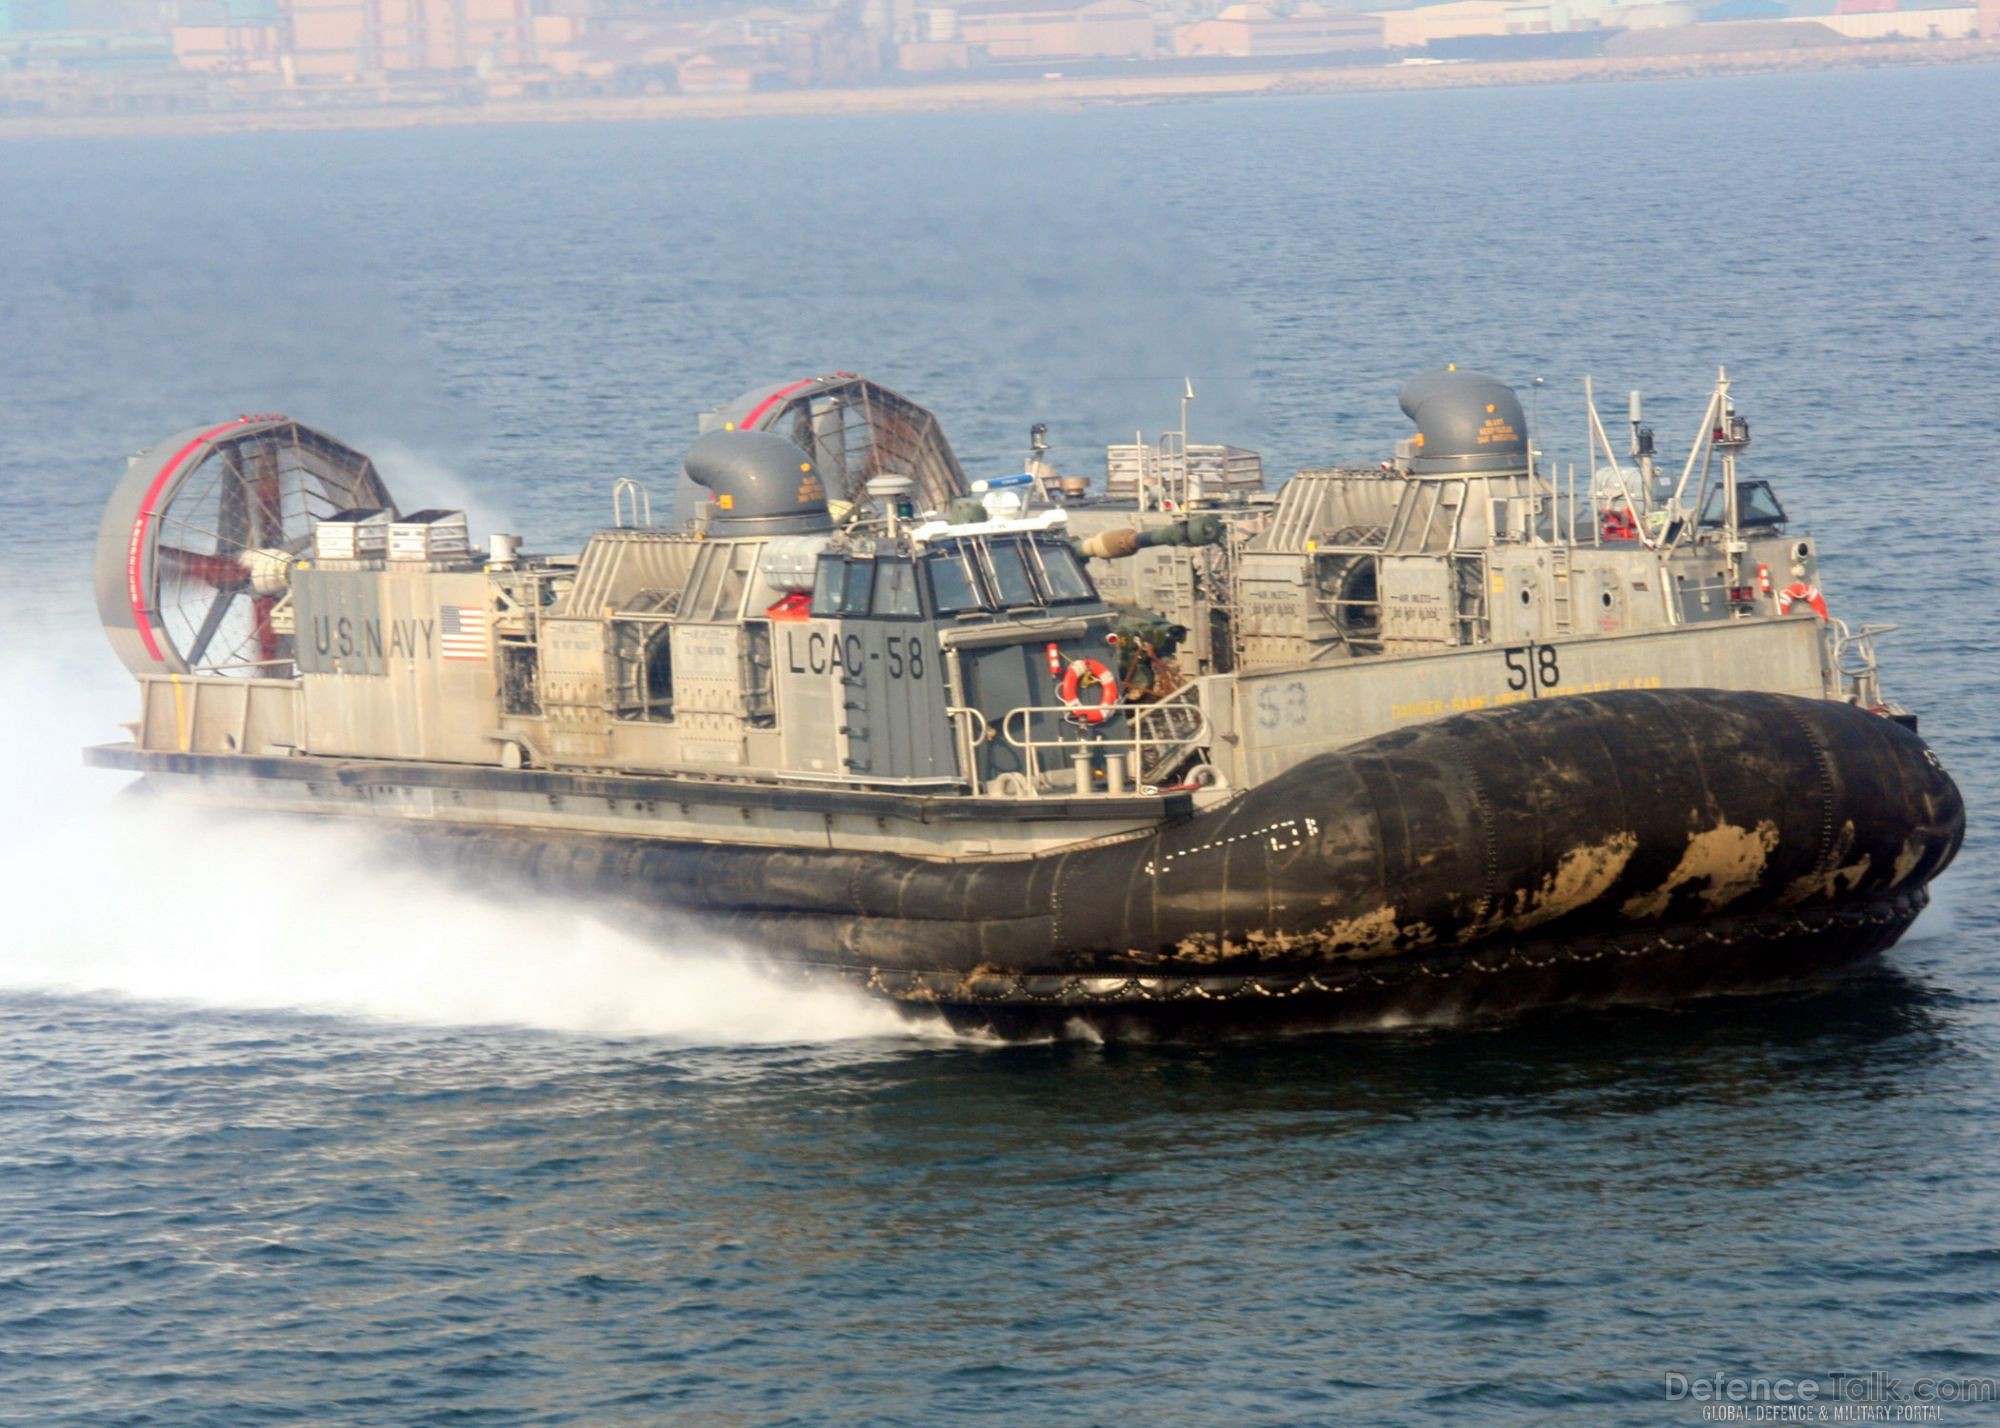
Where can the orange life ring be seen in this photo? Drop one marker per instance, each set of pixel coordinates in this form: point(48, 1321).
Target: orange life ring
point(1798, 590)
point(1084, 674)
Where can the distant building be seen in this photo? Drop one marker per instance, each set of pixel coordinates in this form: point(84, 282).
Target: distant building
point(227, 49)
point(1408, 29)
point(1023, 29)
point(1255, 30)
point(705, 74)
point(1731, 37)
point(712, 52)
point(1989, 19)
point(627, 56)
point(827, 47)
point(339, 39)
point(919, 56)
point(1744, 10)
point(1955, 22)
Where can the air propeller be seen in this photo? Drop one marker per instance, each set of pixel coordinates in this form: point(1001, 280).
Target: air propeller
point(195, 551)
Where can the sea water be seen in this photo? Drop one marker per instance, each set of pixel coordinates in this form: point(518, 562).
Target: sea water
point(286, 1136)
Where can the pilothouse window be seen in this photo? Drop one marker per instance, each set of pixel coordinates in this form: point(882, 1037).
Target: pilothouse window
point(950, 578)
point(1003, 574)
point(1009, 567)
point(896, 589)
point(854, 589)
point(1064, 575)
point(841, 587)
point(1755, 506)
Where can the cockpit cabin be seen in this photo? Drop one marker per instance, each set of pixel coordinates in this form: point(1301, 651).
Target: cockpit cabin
point(772, 643)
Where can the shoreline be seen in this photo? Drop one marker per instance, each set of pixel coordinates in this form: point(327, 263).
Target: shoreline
point(1082, 92)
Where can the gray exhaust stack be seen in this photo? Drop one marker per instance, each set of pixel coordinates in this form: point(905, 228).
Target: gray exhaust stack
point(1466, 422)
point(762, 483)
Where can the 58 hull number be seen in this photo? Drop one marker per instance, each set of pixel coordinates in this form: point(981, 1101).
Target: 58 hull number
point(1531, 667)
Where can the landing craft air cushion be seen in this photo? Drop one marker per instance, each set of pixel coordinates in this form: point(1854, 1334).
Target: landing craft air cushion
point(1429, 736)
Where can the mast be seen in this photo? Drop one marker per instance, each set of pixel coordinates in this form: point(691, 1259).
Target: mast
point(1730, 435)
point(1190, 482)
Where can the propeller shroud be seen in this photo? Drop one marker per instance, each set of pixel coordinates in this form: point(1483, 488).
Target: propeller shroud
point(198, 537)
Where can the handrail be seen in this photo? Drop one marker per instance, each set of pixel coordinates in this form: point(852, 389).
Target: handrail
point(970, 738)
point(1089, 741)
point(641, 500)
point(984, 731)
point(1854, 659)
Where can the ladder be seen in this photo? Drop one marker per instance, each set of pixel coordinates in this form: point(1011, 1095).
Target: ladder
point(1559, 590)
point(1469, 576)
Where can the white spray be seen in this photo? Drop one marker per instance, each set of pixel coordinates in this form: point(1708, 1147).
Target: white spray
point(143, 899)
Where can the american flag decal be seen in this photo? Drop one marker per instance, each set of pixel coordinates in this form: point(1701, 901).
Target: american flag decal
point(463, 632)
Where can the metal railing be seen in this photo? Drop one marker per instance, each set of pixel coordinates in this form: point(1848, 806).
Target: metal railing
point(1144, 743)
point(1854, 661)
point(627, 491)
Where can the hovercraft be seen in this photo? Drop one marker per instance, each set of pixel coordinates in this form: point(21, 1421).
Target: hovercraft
point(1429, 737)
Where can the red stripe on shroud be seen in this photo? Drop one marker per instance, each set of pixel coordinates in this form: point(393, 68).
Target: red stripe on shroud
point(133, 561)
point(758, 411)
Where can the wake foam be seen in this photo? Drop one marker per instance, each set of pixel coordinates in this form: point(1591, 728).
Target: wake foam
point(143, 899)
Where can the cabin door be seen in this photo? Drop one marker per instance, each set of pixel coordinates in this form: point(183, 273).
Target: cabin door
point(891, 685)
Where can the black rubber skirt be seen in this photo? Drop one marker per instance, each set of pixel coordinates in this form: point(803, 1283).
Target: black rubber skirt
point(1651, 844)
